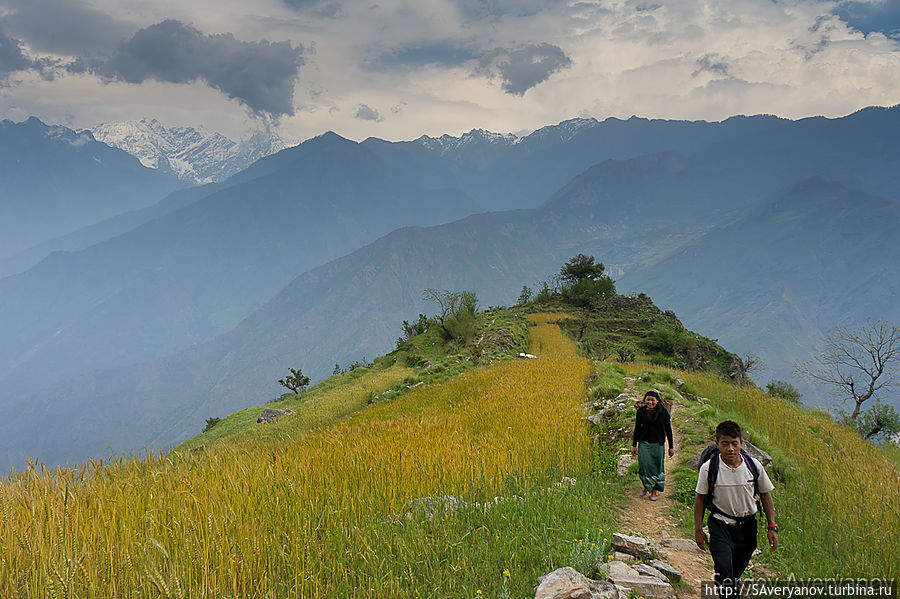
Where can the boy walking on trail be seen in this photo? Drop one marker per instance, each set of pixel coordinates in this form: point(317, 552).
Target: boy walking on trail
point(729, 493)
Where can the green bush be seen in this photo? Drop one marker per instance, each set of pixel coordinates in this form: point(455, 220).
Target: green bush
point(670, 362)
point(671, 341)
point(608, 380)
point(588, 292)
point(626, 352)
point(784, 390)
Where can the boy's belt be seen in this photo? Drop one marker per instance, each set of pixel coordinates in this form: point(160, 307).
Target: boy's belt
point(733, 520)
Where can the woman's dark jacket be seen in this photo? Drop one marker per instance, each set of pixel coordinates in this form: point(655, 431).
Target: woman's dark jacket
point(642, 424)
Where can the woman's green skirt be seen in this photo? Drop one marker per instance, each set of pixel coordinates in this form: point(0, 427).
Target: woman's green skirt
point(652, 465)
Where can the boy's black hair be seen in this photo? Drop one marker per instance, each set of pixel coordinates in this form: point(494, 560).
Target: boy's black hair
point(729, 428)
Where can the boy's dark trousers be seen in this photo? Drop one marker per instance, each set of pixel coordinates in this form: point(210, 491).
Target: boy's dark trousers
point(731, 547)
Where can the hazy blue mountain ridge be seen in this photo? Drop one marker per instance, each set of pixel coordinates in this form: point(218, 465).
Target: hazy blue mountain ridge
point(193, 274)
point(54, 181)
point(818, 256)
point(196, 272)
point(352, 307)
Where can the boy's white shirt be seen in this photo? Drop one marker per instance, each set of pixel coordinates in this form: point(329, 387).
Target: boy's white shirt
point(733, 493)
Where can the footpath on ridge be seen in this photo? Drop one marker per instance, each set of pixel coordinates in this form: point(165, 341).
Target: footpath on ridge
point(654, 521)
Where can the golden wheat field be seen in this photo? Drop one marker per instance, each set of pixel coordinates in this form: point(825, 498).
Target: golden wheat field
point(320, 514)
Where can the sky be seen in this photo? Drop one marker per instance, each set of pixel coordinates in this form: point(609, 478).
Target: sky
point(398, 69)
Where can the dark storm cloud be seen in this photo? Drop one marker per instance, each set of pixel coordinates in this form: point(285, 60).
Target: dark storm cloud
point(11, 56)
point(526, 67)
point(366, 113)
point(260, 75)
point(711, 63)
point(869, 17)
point(446, 54)
point(66, 27)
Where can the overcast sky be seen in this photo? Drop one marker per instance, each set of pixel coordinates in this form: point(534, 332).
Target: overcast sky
point(397, 69)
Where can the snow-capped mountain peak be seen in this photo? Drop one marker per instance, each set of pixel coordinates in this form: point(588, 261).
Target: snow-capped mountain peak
point(194, 155)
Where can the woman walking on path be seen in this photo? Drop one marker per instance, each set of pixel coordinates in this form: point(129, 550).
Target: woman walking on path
point(652, 427)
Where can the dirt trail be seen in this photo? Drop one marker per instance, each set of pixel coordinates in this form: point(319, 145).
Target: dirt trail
point(652, 520)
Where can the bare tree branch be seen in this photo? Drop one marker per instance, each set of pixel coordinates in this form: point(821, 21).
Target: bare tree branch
point(856, 363)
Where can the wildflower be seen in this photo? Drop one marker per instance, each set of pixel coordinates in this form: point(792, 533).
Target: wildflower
point(506, 573)
point(478, 592)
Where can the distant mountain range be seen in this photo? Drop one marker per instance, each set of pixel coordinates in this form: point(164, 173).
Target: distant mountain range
point(54, 181)
point(759, 231)
point(193, 155)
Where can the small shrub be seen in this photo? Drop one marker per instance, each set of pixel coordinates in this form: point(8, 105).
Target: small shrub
point(211, 422)
point(525, 295)
point(625, 352)
point(671, 362)
point(784, 390)
point(586, 553)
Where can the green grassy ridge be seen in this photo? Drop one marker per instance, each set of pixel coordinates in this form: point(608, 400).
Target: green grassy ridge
point(657, 336)
point(499, 334)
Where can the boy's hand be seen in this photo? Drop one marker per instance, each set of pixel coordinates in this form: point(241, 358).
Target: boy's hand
point(773, 539)
point(671, 452)
point(633, 451)
point(700, 538)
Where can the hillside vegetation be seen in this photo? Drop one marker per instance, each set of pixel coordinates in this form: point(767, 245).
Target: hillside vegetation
point(325, 513)
point(473, 483)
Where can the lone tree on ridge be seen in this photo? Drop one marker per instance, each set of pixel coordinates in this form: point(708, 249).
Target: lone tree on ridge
point(858, 364)
point(294, 381)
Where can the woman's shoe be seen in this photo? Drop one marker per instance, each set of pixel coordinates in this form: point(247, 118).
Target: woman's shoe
point(653, 497)
point(643, 492)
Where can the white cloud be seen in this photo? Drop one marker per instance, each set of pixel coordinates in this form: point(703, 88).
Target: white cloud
point(674, 59)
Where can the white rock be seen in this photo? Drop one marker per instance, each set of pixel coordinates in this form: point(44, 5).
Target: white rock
point(667, 570)
point(647, 570)
point(636, 546)
point(616, 568)
point(648, 586)
point(567, 583)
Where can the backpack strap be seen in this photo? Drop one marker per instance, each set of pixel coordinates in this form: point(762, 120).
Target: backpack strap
point(751, 465)
point(711, 476)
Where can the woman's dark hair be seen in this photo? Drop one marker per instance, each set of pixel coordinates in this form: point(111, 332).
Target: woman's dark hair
point(729, 428)
point(652, 393)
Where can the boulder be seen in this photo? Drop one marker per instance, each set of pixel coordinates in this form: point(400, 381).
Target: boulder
point(270, 414)
point(758, 453)
point(623, 397)
point(616, 568)
point(667, 570)
point(567, 583)
point(648, 570)
point(636, 546)
point(648, 586)
point(618, 556)
point(529, 356)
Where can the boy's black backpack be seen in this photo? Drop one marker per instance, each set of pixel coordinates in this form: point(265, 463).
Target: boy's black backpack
point(711, 454)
